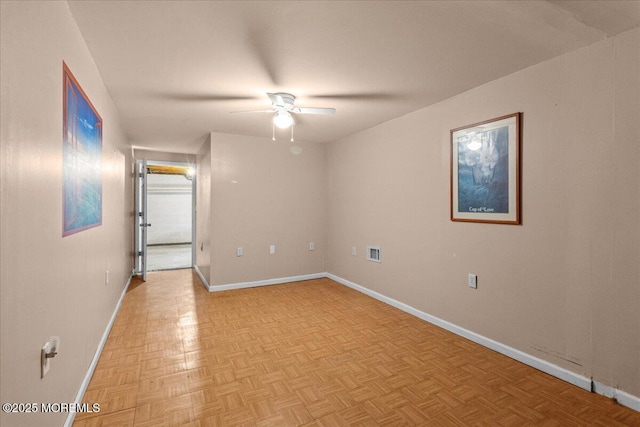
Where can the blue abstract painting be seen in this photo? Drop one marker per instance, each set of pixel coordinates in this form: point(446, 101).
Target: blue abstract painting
point(81, 159)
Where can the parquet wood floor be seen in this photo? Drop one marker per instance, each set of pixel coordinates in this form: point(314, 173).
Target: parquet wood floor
point(311, 353)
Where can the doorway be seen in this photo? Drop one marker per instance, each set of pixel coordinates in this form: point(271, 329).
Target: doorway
point(165, 207)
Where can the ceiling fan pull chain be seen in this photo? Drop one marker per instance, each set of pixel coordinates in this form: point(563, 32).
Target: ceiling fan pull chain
point(291, 133)
point(273, 131)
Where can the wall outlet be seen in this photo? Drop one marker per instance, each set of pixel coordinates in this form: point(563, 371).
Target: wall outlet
point(106, 277)
point(239, 252)
point(48, 351)
point(473, 281)
point(312, 246)
point(272, 249)
point(353, 251)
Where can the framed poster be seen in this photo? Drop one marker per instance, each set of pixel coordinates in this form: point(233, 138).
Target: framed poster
point(485, 171)
point(81, 159)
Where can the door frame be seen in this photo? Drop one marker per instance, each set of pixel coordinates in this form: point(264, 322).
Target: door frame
point(141, 206)
point(140, 218)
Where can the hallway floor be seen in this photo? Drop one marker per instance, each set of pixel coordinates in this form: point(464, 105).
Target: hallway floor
point(311, 353)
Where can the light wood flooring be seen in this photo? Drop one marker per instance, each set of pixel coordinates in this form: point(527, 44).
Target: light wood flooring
point(311, 353)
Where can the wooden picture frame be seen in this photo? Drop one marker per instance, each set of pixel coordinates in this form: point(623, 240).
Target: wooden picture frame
point(81, 159)
point(485, 171)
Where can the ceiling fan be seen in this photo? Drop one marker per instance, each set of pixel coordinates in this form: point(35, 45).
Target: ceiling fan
point(282, 104)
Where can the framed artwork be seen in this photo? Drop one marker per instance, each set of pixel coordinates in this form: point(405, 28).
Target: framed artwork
point(485, 171)
point(81, 159)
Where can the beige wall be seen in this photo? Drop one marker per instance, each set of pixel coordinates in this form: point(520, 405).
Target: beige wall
point(52, 285)
point(616, 355)
point(565, 285)
point(262, 194)
point(203, 210)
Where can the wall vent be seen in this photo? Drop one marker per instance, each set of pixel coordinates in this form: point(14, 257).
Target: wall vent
point(374, 253)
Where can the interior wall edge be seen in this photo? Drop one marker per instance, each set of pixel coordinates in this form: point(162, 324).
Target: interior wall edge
point(202, 209)
point(204, 280)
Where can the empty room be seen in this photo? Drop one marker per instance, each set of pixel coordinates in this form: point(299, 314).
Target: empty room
point(386, 213)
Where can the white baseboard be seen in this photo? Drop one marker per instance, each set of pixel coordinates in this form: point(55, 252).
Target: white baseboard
point(581, 381)
point(623, 398)
point(96, 356)
point(278, 281)
point(204, 280)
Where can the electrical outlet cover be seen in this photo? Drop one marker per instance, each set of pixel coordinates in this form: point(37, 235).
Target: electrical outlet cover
point(51, 346)
point(45, 362)
point(473, 281)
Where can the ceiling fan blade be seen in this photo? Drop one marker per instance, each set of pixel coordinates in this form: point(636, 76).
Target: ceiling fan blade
point(203, 97)
point(372, 96)
point(311, 110)
point(251, 111)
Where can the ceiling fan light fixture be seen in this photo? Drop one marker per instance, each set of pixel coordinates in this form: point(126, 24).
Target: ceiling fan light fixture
point(282, 119)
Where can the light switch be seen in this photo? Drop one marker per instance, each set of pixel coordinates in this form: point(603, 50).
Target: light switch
point(48, 351)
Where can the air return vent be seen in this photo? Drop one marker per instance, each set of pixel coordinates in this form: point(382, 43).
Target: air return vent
point(374, 253)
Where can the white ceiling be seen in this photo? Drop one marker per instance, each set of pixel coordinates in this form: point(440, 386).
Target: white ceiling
point(176, 68)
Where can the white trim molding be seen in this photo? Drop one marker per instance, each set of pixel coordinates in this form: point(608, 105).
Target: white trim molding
point(267, 282)
point(623, 398)
point(581, 381)
point(96, 356)
point(204, 280)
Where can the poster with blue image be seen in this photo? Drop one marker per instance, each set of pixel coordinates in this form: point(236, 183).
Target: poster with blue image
point(81, 159)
